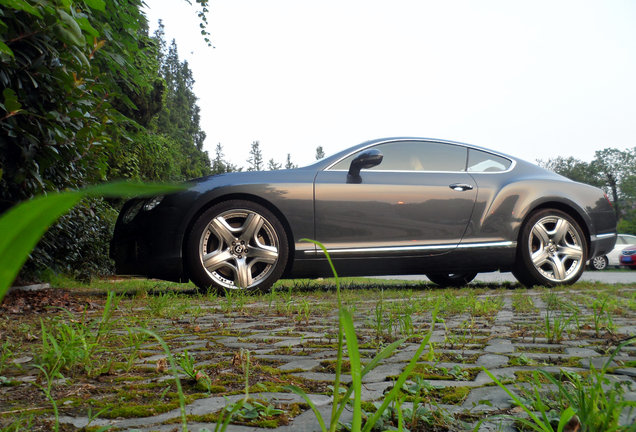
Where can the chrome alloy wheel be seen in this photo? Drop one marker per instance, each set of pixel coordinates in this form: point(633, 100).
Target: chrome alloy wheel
point(239, 249)
point(555, 248)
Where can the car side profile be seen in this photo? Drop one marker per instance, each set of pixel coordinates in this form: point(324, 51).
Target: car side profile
point(390, 206)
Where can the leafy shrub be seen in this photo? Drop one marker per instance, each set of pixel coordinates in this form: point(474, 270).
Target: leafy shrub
point(77, 245)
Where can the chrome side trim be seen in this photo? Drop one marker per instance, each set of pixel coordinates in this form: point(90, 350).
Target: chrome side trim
point(604, 236)
point(505, 244)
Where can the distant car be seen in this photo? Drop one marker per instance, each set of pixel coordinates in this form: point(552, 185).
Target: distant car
point(628, 257)
point(391, 206)
point(612, 258)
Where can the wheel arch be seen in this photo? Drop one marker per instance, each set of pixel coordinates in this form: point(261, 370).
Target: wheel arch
point(245, 197)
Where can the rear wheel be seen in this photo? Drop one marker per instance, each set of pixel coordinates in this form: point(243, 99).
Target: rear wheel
point(552, 250)
point(236, 244)
point(452, 279)
point(599, 263)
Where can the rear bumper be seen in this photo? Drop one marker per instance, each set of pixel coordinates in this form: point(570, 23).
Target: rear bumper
point(601, 244)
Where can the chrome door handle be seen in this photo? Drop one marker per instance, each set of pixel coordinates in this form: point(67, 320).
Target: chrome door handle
point(460, 187)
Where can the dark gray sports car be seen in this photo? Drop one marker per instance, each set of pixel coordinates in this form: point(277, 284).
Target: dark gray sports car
point(391, 206)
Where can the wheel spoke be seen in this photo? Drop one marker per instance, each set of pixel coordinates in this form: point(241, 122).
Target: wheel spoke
point(262, 253)
point(539, 231)
point(216, 260)
point(251, 227)
point(557, 267)
point(540, 257)
point(221, 228)
point(573, 252)
point(243, 274)
point(560, 231)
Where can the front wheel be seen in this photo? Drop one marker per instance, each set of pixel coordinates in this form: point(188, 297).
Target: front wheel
point(599, 263)
point(552, 250)
point(236, 244)
point(452, 279)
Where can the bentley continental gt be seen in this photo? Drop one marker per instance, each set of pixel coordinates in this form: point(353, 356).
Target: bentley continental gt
point(391, 206)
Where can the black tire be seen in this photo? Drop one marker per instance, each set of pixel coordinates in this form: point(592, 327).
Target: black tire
point(599, 263)
point(244, 246)
point(451, 280)
point(551, 251)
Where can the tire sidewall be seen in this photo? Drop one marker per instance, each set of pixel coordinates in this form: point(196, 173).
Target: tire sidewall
point(192, 260)
point(525, 269)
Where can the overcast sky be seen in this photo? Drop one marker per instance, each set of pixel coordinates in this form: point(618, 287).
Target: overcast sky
point(534, 79)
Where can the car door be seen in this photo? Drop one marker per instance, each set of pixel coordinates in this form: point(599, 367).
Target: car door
point(417, 201)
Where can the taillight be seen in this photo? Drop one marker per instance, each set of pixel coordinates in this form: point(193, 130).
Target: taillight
point(608, 200)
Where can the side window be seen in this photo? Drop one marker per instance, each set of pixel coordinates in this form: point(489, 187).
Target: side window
point(415, 156)
point(480, 161)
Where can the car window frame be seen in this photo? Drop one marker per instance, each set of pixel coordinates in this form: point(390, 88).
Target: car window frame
point(513, 162)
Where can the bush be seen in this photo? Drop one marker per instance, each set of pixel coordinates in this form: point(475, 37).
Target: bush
point(76, 246)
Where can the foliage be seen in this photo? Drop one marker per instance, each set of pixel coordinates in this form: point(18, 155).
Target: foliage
point(82, 83)
point(23, 225)
point(255, 160)
point(590, 403)
point(613, 170)
point(289, 164)
point(340, 401)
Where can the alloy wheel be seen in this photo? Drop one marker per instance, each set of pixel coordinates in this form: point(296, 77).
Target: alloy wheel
point(239, 248)
point(555, 247)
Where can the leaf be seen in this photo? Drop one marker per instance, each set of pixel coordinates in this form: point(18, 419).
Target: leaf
point(127, 189)
point(22, 226)
point(11, 102)
point(71, 29)
point(300, 392)
point(4, 48)
point(96, 4)
point(354, 359)
point(85, 25)
point(22, 5)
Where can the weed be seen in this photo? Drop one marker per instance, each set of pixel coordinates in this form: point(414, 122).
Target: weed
point(6, 353)
point(186, 361)
point(590, 403)
point(357, 372)
point(556, 325)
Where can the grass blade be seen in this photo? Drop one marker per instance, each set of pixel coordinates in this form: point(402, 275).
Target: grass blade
point(356, 376)
point(300, 392)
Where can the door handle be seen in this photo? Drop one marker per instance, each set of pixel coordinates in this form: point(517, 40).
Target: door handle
point(460, 187)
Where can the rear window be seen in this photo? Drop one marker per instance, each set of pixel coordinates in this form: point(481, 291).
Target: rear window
point(481, 161)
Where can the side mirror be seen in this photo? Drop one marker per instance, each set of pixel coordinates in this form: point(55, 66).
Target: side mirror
point(366, 159)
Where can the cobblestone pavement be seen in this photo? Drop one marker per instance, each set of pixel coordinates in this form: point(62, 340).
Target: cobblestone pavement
point(504, 331)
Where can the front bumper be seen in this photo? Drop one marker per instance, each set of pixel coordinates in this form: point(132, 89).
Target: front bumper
point(149, 243)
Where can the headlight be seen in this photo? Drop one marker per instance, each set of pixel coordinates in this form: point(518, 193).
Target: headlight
point(153, 202)
point(629, 252)
point(132, 212)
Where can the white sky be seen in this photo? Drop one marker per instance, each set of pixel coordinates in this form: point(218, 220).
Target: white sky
point(535, 79)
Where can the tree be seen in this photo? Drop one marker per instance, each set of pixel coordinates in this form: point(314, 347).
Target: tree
point(255, 160)
point(572, 168)
point(613, 168)
point(219, 164)
point(289, 164)
point(272, 165)
point(179, 119)
point(319, 153)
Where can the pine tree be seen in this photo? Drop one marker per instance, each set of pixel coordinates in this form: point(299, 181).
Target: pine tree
point(272, 165)
point(319, 153)
point(289, 164)
point(255, 160)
